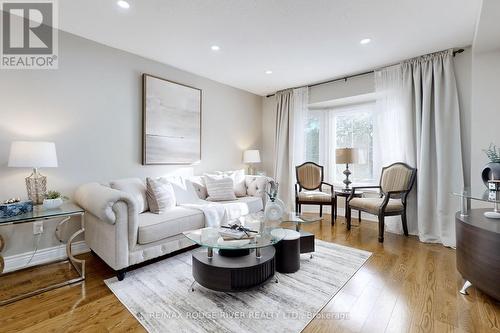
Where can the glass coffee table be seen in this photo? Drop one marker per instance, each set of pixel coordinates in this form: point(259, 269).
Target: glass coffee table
point(235, 265)
point(306, 238)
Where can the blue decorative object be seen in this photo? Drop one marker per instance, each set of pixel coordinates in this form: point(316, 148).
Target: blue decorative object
point(14, 209)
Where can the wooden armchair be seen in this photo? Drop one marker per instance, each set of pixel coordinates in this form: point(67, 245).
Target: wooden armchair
point(309, 188)
point(396, 183)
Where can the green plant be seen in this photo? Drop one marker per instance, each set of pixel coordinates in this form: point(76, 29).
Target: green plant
point(54, 195)
point(493, 153)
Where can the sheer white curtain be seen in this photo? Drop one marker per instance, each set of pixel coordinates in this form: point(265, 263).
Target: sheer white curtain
point(418, 122)
point(291, 117)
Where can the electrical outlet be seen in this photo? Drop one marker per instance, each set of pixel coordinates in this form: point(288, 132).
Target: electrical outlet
point(38, 228)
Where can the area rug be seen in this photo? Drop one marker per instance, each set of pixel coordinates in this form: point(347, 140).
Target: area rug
point(159, 295)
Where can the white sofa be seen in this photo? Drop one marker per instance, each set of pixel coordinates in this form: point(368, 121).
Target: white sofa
point(122, 232)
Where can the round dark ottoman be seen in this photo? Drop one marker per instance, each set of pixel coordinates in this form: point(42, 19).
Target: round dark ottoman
point(288, 252)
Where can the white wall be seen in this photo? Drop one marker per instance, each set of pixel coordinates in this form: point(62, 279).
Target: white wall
point(486, 110)
point(91, 108)
point(485, 89)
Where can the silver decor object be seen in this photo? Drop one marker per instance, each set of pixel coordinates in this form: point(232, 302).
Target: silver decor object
point(34, 154)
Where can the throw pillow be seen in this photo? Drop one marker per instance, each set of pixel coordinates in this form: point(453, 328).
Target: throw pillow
point(238, 177)
point(134, 187)
point(160, 195)
point(199, 186)
point(219, 188)
point(183, 189)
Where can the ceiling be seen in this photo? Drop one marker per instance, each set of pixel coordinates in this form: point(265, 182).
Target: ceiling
point(301, 41)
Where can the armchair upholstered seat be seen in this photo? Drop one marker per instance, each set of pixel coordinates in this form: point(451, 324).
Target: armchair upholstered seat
point(315, 196)
point(396, 182)
point(373, 205)
point(309, 187)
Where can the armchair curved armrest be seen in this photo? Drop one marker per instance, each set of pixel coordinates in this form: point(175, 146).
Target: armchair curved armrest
point(394, 193)
point(353, 190)
point(332, 192)
point(99, 201)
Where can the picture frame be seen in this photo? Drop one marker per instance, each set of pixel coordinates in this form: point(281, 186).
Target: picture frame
point(172, 121)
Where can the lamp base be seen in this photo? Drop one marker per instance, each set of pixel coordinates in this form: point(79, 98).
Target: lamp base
point(347, 173)
point(251, 170)
point(36, 185)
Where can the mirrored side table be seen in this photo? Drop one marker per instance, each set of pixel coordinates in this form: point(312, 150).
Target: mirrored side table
point(64, 214)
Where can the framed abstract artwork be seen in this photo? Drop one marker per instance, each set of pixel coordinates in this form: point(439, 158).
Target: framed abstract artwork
point(171, 122)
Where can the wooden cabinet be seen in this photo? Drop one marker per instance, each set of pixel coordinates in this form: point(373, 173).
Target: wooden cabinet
point(478, 251)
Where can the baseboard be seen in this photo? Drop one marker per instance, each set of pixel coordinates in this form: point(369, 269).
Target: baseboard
point(42, 256)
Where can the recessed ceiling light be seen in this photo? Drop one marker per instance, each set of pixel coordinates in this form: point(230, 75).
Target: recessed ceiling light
point(365, 41)
point(269, 72)
point(215, 48)
point(123, 4)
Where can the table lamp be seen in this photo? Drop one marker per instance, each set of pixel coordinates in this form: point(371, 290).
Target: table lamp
point(346, 156)
point(34, 154)
point(251, 157)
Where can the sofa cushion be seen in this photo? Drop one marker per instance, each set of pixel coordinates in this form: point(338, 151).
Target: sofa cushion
point(154, 227)
point(243, 206)
point(160, 196)
point(219, 188)
point(136, 188)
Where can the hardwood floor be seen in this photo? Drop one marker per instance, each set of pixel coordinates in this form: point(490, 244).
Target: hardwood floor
point(406, 286)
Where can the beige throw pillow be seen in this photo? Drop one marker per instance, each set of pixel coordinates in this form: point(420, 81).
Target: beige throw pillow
point(160, 195)
point(219, 188)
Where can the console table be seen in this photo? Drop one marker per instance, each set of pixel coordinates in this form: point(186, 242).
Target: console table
point(64, 213)
point(478, 246)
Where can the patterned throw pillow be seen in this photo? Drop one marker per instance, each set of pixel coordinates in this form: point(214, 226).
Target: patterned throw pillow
point(238, 177)
point(160, 195)
point(219, 188)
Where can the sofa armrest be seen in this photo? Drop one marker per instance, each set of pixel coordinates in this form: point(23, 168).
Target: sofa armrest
point(100, 200)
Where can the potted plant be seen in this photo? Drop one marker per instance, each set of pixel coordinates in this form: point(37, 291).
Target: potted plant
point(492, 169)
point(53, 200)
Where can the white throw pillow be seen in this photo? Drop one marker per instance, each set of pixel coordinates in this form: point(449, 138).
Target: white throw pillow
point(160, 195)
point(199, 186)
point(183, 189)
point(219, 188)
point(134, 187)
point(238, 177)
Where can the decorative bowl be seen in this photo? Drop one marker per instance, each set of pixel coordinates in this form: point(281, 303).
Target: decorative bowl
point(52, 203)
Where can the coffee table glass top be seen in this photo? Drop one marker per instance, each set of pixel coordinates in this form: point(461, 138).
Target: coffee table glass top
point(259, 236)
point(293, 217)
point(39, 212)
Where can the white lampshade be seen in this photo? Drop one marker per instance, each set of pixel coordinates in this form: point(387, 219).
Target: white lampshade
point(251, 156)
point(33, 154)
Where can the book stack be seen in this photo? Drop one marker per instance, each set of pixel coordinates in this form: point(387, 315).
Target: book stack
point(228, 233)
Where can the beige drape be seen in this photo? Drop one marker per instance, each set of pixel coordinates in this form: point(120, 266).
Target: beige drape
point(419, 123)
point(291, 114)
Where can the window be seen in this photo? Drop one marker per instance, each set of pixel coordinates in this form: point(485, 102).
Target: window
point(312, 138)
point(347, 126)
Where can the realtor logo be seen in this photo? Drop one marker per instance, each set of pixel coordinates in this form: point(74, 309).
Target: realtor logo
point(29, 34)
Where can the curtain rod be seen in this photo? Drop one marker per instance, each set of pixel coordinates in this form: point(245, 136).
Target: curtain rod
point(349, 76)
